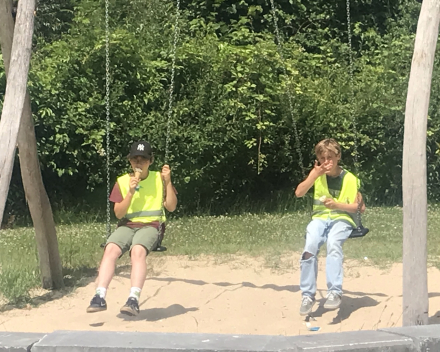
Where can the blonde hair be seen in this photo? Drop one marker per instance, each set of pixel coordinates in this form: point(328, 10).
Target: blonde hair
point(328, 145)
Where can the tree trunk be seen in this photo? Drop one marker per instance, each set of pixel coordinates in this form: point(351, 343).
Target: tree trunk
point(415, 277)
point(39, 205)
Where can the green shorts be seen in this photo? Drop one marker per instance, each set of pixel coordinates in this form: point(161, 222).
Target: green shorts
point(126, 237)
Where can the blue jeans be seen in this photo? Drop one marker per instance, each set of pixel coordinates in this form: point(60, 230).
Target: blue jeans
point(334, 232)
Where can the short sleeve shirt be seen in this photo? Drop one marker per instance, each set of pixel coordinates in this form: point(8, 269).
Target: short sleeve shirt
point(335, 184)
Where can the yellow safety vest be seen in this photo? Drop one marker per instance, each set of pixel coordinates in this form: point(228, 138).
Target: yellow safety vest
point(350, 186)
point(146, 204)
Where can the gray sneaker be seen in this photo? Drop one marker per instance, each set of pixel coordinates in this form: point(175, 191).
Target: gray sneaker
point(333, 301)
point(306, 305)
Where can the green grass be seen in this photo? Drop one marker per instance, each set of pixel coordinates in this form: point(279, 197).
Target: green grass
point(267, 235)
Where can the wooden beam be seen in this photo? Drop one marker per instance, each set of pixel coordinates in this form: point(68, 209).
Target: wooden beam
point(36, 196)
point(414, 184)
point(15, 94)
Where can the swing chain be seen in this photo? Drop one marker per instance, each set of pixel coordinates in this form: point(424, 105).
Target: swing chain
point(173, 69)
point(353, 119)
point(170, 110)
point(289, 93)
point(107, 107)
point(352, 114)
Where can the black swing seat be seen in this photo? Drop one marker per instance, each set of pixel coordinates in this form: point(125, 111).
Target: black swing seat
point(158, 248)
point(359, 231)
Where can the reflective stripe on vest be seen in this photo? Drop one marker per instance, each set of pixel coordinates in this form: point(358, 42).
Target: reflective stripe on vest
point(144, 213)
point(146, 203)
point(349, 190)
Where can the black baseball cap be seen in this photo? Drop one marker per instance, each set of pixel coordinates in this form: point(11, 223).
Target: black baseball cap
point(141, 148)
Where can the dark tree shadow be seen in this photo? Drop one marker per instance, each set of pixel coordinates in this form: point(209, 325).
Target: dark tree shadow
point(156, 314)
point(435, 319)
point(355, 293)
point(348, 306)
point(290, 288)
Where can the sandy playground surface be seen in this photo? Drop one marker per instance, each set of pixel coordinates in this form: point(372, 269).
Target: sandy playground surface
point(237, 295)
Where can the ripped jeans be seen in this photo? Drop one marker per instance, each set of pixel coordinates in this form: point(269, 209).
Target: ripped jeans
point(335, 233)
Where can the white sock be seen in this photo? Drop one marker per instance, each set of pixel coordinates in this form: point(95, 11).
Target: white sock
point(101, 291)
point(135, 292)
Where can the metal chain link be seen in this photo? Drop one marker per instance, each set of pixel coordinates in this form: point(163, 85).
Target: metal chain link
point(351, 104)
point(107, 108)
point(173, 69)
point(352, 115)
point(170, 105)
point(289, 93)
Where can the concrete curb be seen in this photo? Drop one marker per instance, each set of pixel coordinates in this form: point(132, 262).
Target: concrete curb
point(426, 338)
point(406, 339)
point(18, 341)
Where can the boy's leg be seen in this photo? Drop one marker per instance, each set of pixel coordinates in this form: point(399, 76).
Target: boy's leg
point(108, 263)
point(118, 243)
point(143, 242)
point(309, 264)
point(338, 234)
point(138, 256)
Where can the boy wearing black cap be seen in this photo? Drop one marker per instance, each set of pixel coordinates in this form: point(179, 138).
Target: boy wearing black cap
point(138, 201)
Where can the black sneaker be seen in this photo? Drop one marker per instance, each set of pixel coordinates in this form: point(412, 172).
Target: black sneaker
point(131, 307)
point(97, 304)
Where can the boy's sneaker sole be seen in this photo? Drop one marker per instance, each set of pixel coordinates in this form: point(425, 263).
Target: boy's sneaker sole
point(130, 308)
point(95, 309)
point(129, 311)
point(97, 304)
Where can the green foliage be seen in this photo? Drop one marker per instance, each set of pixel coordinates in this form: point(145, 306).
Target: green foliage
point(18, 276)
point(231, 129)
point(52, 18)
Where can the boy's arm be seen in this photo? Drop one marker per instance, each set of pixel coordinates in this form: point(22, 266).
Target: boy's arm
point(170, 202)
point(304, 186)
point(317, 171)
point(122, 207)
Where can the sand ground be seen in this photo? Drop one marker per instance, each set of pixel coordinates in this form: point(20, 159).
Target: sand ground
point(234, 295)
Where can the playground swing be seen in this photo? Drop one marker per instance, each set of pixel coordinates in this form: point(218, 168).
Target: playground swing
point(359, 230)
point(161, 232)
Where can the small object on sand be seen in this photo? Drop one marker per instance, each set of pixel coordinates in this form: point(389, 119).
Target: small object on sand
point(314, 328)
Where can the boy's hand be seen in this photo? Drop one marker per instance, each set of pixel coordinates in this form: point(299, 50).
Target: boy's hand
point(323, 168)
point(134, 181)
point(166, 174)
point(330, 203)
